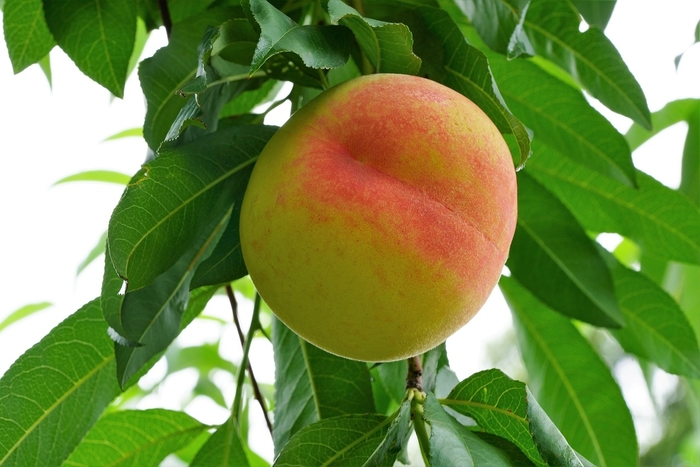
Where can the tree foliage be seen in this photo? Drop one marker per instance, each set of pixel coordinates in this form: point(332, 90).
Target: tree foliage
point(172, 241)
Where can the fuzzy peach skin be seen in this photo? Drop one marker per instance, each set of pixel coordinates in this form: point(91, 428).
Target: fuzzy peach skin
point(377, 220)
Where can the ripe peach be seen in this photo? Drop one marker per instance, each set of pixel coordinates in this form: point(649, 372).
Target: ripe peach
point(377, 220)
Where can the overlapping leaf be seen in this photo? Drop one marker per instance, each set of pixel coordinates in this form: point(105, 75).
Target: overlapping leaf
point(387, 46)
point(26, 32)
point(596, 12)
point(451, 443)
point(505, 408)
point(656, 329)
point(395, 441)
point(320, 47)
point(54, 393)
point(571, 381)
point(661, 221)
point(170, 69)
point(152, 316)
point(344, 440)
point(495, 20)
point(170, 200)
point(135, 438)
point(553, 257)
point(552, 29)
point(561, 117)
point(312, 385)
point(98, 36)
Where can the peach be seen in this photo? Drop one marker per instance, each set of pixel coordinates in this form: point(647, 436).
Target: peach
point(377, 220)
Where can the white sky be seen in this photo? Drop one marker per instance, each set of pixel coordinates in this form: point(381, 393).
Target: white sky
point(48, 133)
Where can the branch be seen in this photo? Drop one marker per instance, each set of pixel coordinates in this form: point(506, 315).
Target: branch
point(253, 325)
point(415, 372)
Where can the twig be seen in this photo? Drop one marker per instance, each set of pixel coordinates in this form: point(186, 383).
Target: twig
point(253, 325)
point(414, 378)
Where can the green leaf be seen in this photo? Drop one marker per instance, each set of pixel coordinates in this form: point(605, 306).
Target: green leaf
point(135, 438)
point(106, 176)
point(387, 46)
point(494, 20)
point(347, 440)
point(452, 444)
point(571, 382)
point(449, 59)
point(690, 172)
point(45, 65)
point(96, 251)
point(505, 408)
point(434, 362)
point(170, 200)
point(23, 312)
point(27, 36)
point(223, 449)
point(318, 46)
point(54, 393)
point(170, 69)
point(561, 117)
point(248, 100)
point(661, 221)
point(97, 35)
point(131, 132)
point(595, 12)
point(152, 316)
point(552, 28)
point(656, 330)
point(311, 385)
point(395, 441)
point(672, 113)
point(552, 256)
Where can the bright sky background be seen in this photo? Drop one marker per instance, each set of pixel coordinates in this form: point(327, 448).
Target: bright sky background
point(47, 133)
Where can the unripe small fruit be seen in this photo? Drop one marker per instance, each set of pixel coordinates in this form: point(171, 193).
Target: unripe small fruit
point(377, 220)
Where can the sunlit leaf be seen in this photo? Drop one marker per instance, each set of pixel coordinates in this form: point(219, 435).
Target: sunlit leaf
point(571, 382)
point(131, 132)
point(23, 312)
point(135, 438)
point(106, 176)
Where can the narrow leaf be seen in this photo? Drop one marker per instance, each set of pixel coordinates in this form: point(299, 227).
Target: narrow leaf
point(387, 46)
point(561, 117)
point(171, 198)
point(54, 393)
point(571, 382)
point(131, 132)
point(346, 440)
point(153, 315)
point(552, 27)
point(552, 256)
point(27, 36)
point(98, 36)
point(223, 449)
point(596, 12)
point(135, 438)
point(656, 330)
point(494, 20)
point(106, 176)
point(311, 385)
point(23, 312)
point(317, 46)
point(661, 221)
point(672, 113)
point(396, 439)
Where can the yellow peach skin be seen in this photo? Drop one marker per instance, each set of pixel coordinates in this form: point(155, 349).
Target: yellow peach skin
point(378, 218)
